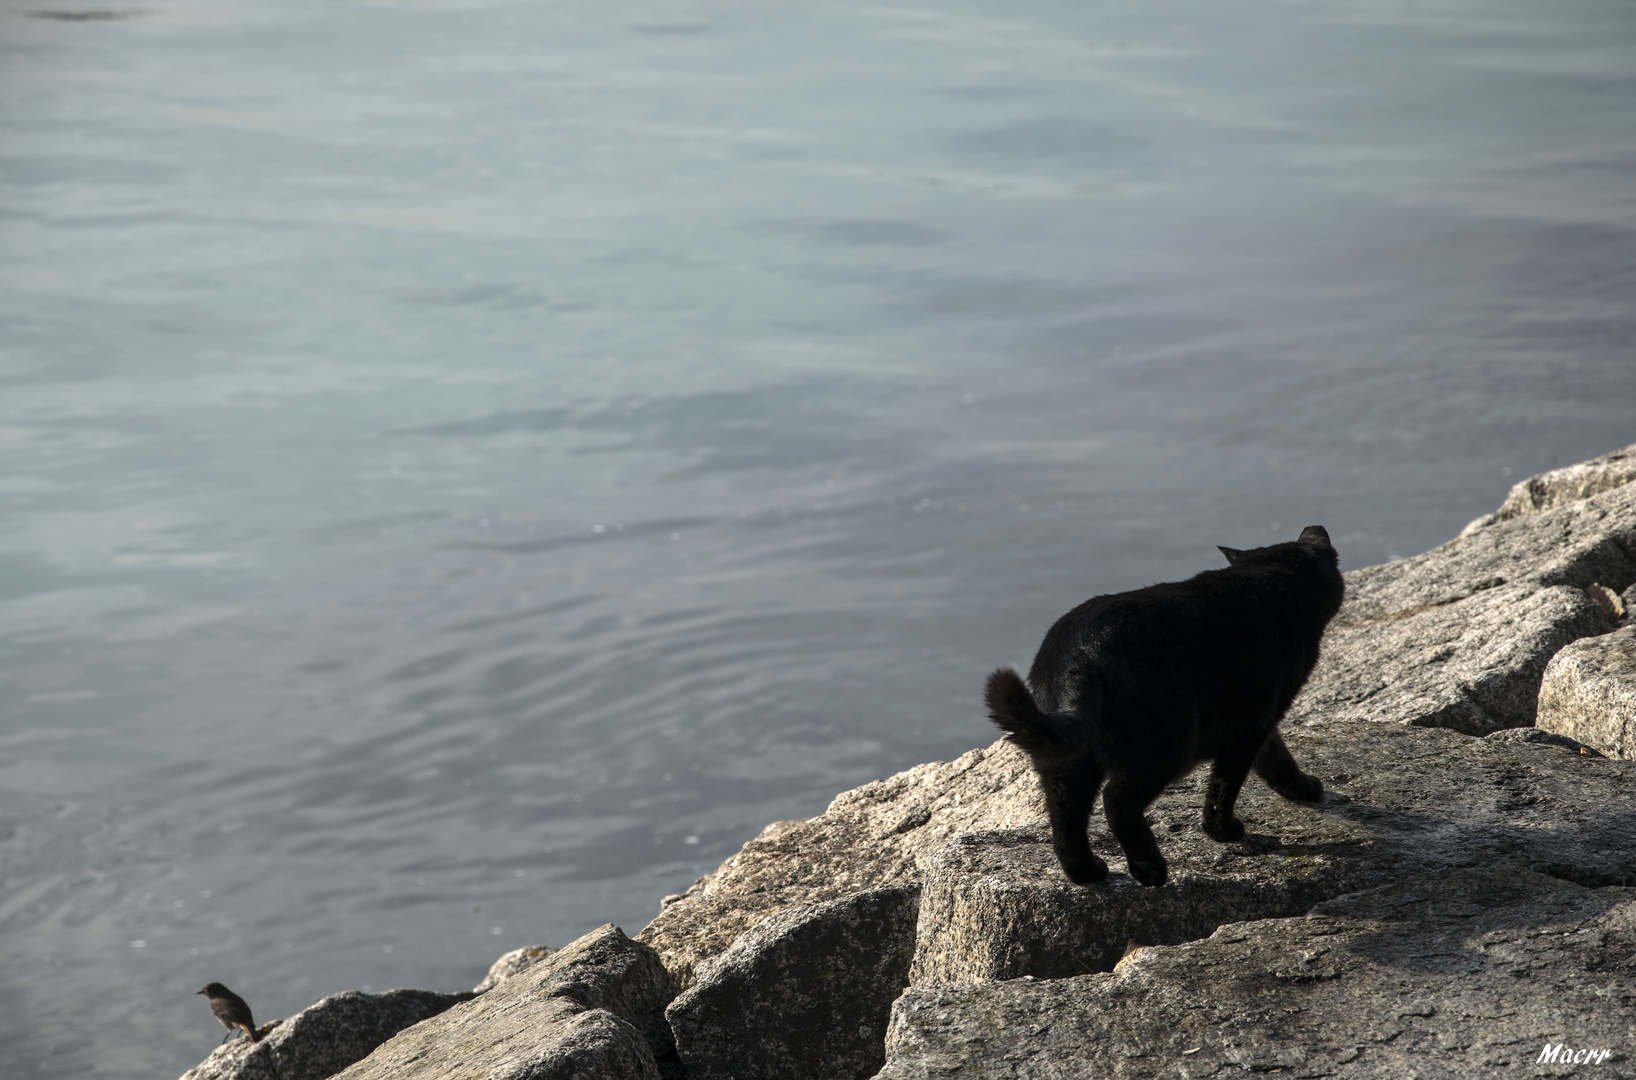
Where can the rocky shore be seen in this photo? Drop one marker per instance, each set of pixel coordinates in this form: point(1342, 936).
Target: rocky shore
point(1462, 902)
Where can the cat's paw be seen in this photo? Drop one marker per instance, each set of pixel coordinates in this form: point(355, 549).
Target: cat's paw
point(1152, 874)
point(1303, 788)
point(1084, 870)
point(1224, 831)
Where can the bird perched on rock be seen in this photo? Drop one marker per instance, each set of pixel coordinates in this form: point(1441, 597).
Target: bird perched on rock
point(231, 1010)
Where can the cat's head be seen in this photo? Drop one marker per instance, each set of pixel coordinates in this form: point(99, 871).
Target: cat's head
point(1313, 541)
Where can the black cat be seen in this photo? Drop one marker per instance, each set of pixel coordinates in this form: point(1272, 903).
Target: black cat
point(1138, 688)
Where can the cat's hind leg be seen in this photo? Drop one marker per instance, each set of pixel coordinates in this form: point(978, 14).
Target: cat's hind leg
point(1275, 765)
point(1070, 792)
point(1227, 775)
point(1124, 799)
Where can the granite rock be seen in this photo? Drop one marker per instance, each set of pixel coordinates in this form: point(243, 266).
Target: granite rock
point(1589, 693)
point(1571, 483)
point(1538, 736)
point(870, 836)
point(1401, 802)
point(1472, 664)
point(1465, 973)
point(551, 1039)
point(1576, 543)
point(594, 1008)
point(512, 963)
point(323, 1038)
point(997, 906)
point(804, 995)
point(1459, 636)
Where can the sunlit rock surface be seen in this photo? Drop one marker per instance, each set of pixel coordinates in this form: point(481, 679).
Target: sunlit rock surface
point(1468, 973)
point(1589, 693)
point(512, 963)
point(1459, 637)
point(595, 1008)
point(323, 1038)
point(869, 836)
point(1401, 802)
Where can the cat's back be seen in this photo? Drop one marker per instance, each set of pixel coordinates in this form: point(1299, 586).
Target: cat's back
point(1255, 604)
point(1150, 625)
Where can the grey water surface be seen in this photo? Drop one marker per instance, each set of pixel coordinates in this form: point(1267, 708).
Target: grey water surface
point(465, 467)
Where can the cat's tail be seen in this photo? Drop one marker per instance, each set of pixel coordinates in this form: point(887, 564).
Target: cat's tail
point(1040, 734)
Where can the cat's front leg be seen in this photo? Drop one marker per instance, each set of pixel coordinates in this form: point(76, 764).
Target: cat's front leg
point(1275, 765)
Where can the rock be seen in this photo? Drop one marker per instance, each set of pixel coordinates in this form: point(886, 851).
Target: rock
point(870, 836)
point(1576, 543)
point(1459, 637)
point(995, 905)
point(323, 1038)
point(512, 963)
point(1517, 735)
point(874, 835)
point(1473, 665)
point(551, 1039)
point(594, 1008)
point(1460, 974)
point(1569, 484)
point(804, 995)
point(1589, 693)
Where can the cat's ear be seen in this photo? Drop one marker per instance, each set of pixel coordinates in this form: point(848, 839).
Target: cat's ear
point(1233, 554)
point(1315, 534)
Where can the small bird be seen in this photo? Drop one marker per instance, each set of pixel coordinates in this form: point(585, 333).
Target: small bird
point(231, 1010)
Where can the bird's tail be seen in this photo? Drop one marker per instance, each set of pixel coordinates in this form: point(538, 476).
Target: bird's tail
point(1043, 735)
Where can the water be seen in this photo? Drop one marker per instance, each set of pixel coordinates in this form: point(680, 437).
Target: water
point(466, 467)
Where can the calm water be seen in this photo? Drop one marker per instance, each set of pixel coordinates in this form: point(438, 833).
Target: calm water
point(464, 467)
